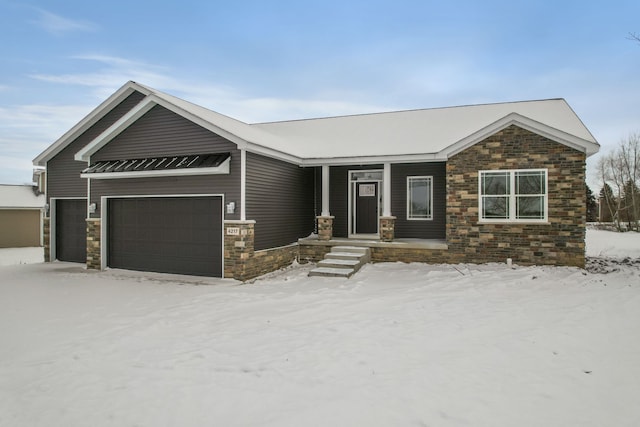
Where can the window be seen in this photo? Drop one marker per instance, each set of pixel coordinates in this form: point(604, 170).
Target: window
point(419, 197)
point(515, 195)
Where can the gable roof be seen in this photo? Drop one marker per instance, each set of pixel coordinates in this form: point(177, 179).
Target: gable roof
point(89, 120)
point(413, 135)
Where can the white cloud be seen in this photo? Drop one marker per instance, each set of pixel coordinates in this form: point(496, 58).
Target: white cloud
point(56, 24)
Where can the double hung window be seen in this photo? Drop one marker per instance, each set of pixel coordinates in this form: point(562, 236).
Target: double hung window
point(513, 195)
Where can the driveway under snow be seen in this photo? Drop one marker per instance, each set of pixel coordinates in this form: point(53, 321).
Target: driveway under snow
point(398, 344)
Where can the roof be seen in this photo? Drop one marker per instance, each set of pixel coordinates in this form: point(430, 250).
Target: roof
point(20, 197)
point(427, 131)
point(412, 135)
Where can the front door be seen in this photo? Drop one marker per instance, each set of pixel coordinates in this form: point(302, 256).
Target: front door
point(366, 207)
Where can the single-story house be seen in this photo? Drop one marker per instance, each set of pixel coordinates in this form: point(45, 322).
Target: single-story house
point(149, 181)
point(21, 216)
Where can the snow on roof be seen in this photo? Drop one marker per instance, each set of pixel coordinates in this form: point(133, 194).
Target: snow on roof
point(433, 134)
point(414, 131)
point(20, 196)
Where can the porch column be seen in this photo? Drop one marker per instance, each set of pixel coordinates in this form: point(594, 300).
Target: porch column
point(387, 221)
point(325, 191)
point(386, 190)
point(325, 220)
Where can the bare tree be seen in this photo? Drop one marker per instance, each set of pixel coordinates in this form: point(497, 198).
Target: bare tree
point(634, 36)
point(620, 169)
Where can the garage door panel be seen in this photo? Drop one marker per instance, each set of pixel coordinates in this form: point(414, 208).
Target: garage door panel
point(71, 230)
point(173, 234)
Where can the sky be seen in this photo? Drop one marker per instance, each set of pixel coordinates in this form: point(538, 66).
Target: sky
point(279, 60)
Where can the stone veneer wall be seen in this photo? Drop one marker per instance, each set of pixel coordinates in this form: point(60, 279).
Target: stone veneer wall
point(94, 261)
point(46, 238)
point(242, 262)
point(558, 242)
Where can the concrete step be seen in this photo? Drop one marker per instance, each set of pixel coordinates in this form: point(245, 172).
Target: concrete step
point(344, 255)
point(339, 263)
point(342, 261)
point(350, 249)
point(331, 272)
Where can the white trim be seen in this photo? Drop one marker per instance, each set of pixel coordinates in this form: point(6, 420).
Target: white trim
point(325, 190)
point(512, 198)
point(410, 178)
point(351, 211)
point(218, 170)
point(89, 120)
point(526, 123)
point(243, 184)
point(386, 191)
point(104, 200)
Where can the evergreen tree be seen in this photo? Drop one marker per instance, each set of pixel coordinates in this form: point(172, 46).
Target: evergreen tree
point(592, 206)
point(607, 204)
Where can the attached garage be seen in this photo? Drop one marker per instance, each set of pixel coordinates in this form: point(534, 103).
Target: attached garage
point(21, 209)
point(71, 230)
point(181, 235)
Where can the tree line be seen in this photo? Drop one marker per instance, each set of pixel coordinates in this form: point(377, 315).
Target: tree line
point(619, 174)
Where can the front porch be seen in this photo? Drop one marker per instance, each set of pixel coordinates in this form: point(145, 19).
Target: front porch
point(433, 251)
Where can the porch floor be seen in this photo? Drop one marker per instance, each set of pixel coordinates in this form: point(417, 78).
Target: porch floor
point(377, 243)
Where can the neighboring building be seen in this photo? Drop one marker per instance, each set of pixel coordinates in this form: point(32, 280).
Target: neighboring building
point(148, 181)
point(21, 213)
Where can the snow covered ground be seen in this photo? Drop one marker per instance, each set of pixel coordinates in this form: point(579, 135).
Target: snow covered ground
point(397, 344)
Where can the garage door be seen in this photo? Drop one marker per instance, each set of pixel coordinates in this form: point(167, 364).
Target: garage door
point(71, 230)
point(166, 234)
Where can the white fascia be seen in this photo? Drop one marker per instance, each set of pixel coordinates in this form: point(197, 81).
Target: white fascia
point(534, 126)
point(95, 115)
point(372, 160)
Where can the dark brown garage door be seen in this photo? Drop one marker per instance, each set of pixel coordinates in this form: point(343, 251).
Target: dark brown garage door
point(71, 230)
point(166, 234)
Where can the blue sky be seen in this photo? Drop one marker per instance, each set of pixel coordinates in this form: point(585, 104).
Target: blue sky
point(278, 60)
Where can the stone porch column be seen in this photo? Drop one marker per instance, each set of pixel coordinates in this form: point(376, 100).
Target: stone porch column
point(387, 228)
point(325, 227)
point(239, 241)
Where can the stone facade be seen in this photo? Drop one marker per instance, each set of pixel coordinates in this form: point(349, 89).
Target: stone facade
point(387, 228)
point(94, 258)
point(325, 227)
point(242, 262)
point(46, 238)
point(558, 242)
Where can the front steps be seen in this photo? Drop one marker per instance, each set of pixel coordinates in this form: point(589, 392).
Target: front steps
point(342, 261)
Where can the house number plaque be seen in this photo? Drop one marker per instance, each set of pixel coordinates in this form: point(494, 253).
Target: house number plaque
point(233, 231)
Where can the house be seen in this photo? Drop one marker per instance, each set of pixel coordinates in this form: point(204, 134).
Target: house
point(148, 181)
point(21, 214)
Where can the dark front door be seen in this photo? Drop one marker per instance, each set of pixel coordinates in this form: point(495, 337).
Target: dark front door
point(166, 234)
point(71, 230)
point(366, 207)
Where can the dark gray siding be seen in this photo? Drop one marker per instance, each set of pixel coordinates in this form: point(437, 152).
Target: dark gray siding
point(160, 132)
point(63, 172)
point(339, 196)
point(280, 198)
point(227, 185)
point(432, 229)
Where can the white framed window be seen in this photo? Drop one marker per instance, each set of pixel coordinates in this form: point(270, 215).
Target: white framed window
point(513, 195)
point(419, 197)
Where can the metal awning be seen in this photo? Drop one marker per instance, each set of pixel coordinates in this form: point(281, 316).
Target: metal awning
point(192, 164)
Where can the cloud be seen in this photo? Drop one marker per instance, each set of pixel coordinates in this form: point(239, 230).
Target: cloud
point(58, 25)
point(112, 72)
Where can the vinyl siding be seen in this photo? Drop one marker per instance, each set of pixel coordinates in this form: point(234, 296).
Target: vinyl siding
point(160, 132)
point(428, 229)
point(339, 196)
point(63, 172)
point(280, 198)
